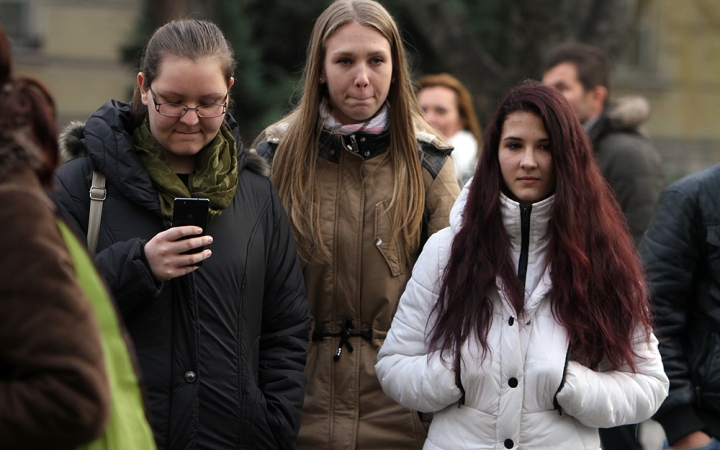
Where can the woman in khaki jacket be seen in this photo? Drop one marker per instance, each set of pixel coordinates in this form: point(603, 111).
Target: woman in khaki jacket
point(365, 182)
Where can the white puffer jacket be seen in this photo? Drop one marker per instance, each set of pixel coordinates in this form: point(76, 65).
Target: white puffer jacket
point(509, 396)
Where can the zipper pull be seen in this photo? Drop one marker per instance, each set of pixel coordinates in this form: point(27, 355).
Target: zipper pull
point(353, 141)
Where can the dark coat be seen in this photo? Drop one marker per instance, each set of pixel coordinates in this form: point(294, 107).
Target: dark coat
point(629, 162)
point(222, 349)
point(53, 384)
point(682, 257)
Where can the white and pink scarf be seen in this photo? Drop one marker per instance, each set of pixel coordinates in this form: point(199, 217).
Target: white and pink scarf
point(374, 125)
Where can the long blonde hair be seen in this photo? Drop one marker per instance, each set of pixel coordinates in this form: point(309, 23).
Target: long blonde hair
point(295, 163)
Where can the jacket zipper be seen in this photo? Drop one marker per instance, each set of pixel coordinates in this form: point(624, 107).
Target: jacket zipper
point(525, 242)
point(353, 141)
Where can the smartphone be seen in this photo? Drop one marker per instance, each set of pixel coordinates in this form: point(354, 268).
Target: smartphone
point(191, 211)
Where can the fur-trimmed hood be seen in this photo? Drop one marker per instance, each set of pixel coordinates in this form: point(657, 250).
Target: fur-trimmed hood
point(71, 145)
point(628, 112)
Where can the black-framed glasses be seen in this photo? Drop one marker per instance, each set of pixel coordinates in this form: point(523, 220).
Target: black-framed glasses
point(170, 109)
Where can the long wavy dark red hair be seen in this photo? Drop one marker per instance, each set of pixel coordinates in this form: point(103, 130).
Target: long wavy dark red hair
point(598, 291)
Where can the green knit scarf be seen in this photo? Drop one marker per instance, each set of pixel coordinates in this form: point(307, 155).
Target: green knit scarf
point(215, 176)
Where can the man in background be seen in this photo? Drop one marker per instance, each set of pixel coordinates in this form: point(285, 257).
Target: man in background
point(627, 158)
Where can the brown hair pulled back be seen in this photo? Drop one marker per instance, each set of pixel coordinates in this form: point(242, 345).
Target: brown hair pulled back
point(191, 39)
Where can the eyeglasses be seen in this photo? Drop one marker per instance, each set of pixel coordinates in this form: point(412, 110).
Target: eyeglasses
point(170, 109)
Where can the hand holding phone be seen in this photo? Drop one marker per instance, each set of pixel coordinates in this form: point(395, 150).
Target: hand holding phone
point(168, 259)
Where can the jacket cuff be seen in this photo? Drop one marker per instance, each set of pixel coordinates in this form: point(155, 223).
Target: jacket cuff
point(143, 258)
point(679, 422)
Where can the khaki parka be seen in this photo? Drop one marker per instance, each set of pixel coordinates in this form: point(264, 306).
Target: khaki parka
point(353, 295)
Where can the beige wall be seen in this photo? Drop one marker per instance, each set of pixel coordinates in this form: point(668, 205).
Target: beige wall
point(79, 55)
point(680, 75)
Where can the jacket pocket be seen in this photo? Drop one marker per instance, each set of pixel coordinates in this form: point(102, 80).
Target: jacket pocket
point(705, 365)
point(263, 435)
point(383, 233)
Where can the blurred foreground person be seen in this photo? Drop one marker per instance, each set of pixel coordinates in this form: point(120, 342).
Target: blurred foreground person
point(448, 106)
point(66, 375)
point(365, 182)
point(682, 259)
point(222, 344)
point(526, 323)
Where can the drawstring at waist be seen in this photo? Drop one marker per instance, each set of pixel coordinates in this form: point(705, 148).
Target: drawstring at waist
point(344, 335)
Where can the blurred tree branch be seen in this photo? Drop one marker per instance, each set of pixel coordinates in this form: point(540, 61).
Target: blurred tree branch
point(489, 45)
point(533, 28)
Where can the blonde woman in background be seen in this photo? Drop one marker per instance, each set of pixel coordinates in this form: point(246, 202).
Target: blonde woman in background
point(448, 106)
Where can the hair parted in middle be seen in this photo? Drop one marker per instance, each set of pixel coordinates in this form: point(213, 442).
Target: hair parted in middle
point(294, 166)
point(598, 291)
point(466, 109)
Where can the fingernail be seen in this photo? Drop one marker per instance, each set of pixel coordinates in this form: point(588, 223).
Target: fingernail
point(209, 239)
point(198, 230)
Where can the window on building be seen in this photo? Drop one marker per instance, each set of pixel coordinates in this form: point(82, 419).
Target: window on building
point(14, 19)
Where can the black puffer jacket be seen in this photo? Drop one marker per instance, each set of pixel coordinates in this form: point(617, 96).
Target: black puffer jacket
point(682, 256)
point(222, 350)
point(629, 161)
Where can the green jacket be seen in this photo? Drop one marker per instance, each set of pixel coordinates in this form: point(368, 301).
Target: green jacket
point(127, 427)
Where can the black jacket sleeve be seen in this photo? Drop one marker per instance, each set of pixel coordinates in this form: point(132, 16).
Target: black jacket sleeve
point(121, 264)
point(672, 252)
point(286, 321)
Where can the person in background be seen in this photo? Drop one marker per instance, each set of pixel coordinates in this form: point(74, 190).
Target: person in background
point(222, 345)
point(526, 323)
point(365, 182)
point(66, 375)
point(627, 158)
point(448, 106)
point(681, 251)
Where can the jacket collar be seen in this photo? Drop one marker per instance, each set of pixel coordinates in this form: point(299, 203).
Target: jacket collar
point(539, 220)
point(365, 145)
point(625, 114)
point(537, 280)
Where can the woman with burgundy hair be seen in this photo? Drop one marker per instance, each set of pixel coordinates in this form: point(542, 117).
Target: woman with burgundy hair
point(529, 314)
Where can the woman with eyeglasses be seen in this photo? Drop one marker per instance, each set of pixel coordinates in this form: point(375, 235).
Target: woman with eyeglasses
point(221, 345)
